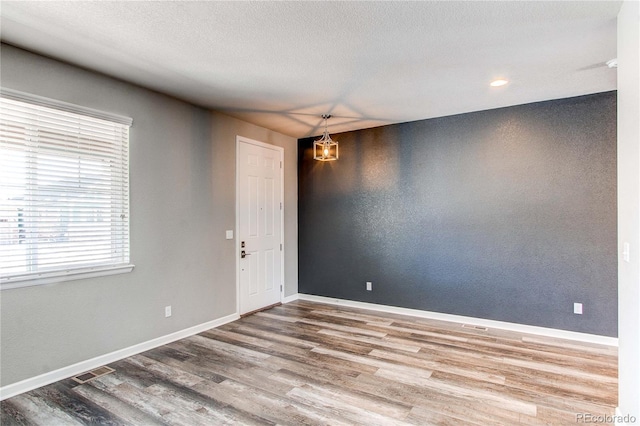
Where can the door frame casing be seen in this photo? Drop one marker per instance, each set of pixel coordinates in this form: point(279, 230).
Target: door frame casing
point(280, 151)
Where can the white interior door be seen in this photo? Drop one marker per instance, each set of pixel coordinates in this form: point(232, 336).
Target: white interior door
point(259, 202)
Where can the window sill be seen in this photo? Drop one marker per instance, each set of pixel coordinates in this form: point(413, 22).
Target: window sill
point(60, 276)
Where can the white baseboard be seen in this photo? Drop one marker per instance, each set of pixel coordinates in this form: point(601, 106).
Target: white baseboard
point(521, 328)
point(80, 367)
point(291, 298)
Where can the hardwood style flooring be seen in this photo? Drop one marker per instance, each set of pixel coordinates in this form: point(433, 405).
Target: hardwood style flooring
point(309, 363)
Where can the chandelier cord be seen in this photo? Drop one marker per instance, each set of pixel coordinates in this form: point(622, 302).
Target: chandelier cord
point(326, 136)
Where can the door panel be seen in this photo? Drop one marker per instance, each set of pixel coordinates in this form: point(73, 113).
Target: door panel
point(269, 207)
point(253, 202)
point(259, 192)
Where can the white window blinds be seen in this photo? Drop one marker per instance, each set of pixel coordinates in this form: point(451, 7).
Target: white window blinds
point(64, 190)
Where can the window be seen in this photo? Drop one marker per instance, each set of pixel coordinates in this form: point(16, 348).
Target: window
point(64, 191)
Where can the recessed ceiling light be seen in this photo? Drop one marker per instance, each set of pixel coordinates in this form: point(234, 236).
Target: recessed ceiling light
point(499, 82)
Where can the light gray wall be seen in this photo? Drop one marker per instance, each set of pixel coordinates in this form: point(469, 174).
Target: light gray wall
point(507, 214)
point(226, 128)
point(629, 207)
point(182, 201)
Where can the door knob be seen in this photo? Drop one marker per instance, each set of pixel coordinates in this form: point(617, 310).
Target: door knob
point(244, 254)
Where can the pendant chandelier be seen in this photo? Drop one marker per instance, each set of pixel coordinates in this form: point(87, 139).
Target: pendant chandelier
point(325, 149)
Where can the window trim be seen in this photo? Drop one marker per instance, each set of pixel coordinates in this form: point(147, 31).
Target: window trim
point(64, 106)
point(18, 281)
point(50, 277)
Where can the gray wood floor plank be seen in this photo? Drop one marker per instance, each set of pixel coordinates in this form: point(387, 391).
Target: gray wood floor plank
point(278, 409)
point(11, 415)
point(130, 414)
point(81, 409)
point(42, 412)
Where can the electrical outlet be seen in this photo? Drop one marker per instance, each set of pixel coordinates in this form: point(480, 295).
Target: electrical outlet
point(369, 286)
point(167, 311)
point(577, 308)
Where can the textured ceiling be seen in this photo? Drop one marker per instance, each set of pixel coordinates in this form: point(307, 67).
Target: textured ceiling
point(282, 65)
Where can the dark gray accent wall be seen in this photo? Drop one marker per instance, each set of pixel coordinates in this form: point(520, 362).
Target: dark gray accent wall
point(507, 214)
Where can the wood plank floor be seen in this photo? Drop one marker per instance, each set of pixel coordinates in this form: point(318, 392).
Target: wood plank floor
point(309, 363)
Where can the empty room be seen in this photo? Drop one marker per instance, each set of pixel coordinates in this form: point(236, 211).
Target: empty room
point(336, 213)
